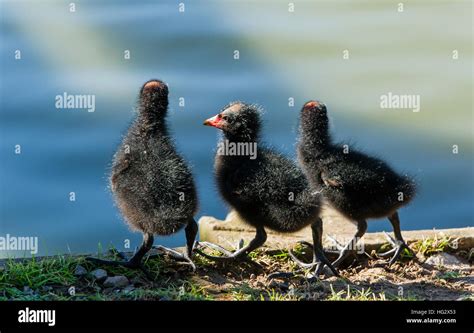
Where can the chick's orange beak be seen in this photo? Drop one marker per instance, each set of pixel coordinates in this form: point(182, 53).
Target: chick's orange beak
point(214, 121)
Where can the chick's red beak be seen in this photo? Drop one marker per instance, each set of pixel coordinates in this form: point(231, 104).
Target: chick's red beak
point(215, 121)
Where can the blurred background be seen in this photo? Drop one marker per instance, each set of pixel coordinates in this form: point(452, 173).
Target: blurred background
point(344, 53)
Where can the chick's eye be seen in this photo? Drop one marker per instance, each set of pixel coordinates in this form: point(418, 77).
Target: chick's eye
point(225, 118)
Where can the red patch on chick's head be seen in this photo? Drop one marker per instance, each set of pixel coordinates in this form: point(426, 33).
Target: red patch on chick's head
point(152, 85)
point(314, 106)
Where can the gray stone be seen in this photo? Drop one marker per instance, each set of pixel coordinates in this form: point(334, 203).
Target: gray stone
point(27, 290)
point(80, 271)
point(118, 281)
point(99, 274)
point(443, 259)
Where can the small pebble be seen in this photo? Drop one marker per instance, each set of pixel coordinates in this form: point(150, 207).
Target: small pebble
point(99, 274)
point(27, 290)
point(443, 259)
point(118, 281)
point(80, 271)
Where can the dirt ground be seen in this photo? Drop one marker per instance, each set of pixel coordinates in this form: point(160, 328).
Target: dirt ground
point(362, 278)
point(440, 269)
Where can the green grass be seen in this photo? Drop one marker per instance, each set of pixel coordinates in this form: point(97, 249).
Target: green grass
point(354, 294)
point(427, 246)
point(186, 291)
point(272, 295)
point(37, 273)
point(155, 266)
point(301, 250)
point(50, 278)
point(201, 261)
point(246, 293)
point(298, 250)
point(437, 244)
point(254, 254)
point(449, 275)
point(58, 272)
point(280, 255)
point(387, 246)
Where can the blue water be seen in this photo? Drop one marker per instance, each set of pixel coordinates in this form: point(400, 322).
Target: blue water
point(281, 56)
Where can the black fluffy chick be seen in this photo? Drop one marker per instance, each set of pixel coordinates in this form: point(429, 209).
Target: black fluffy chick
point(266, 189)
point(358, 186)
point(152, 185)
